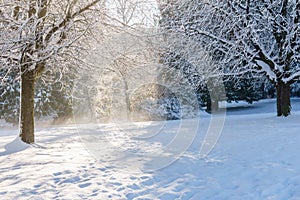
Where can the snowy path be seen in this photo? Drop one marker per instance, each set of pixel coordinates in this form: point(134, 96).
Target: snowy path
point(260, 107)
point(257, 157)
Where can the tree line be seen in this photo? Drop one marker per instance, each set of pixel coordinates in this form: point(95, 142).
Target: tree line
point(250, 47)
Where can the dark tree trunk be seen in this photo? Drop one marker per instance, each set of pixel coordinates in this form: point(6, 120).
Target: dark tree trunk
point(212, 106)
point(278, 99)
point(214, 94)
point(283, 95)
point(27, 106)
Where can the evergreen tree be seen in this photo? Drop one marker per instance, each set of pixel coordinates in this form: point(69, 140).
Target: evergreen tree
point(52, 96)
point(9, 96)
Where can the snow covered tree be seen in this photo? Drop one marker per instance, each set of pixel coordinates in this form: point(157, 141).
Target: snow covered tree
point(9, 96)
point(296, 89)
point(259, 36)
point(183, 53)
point(52, 96)
point(37, 35)
point(192, 69)
point(244, 87)
point(117, 60)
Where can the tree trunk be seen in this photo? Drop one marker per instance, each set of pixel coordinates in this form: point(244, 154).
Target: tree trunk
point(214, 105)
point(127, 98)
point(283, 95)
point(214, 94)
point(27, 106)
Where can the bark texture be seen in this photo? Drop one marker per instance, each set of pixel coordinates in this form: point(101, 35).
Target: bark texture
point(283, 95)
point(27, 106)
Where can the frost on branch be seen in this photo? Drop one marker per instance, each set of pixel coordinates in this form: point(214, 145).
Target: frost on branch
point(261, 37)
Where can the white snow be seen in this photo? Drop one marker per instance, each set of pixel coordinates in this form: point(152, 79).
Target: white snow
point(3, 123)
point(256, 157)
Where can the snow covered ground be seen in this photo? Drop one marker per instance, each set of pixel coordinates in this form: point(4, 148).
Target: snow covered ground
point(256, 157)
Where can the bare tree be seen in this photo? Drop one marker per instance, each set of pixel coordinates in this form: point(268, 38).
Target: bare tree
point(41, 34)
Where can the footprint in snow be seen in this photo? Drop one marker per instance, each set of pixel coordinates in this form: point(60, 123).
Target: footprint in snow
point(84, 185)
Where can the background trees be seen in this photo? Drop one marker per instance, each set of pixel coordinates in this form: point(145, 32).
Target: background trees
point(208, 43)
point(121, 61)
point(245, 36)
point(52, 96)
point(38, 35)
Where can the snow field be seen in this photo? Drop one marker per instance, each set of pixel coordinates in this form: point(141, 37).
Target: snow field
point(256, 157)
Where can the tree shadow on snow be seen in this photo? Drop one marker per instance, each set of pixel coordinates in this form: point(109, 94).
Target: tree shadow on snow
point(15, 146)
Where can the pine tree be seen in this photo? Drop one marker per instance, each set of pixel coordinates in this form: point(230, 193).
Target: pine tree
point(52, 97)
